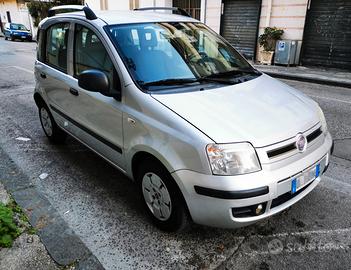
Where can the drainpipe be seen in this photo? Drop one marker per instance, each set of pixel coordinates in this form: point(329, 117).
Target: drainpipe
point(203, 10)
point(268, 13)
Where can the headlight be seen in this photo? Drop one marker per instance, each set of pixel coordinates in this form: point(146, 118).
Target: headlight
point(232, 159)
point(324, 126)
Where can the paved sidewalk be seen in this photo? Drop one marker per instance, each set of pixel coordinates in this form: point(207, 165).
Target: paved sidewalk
point(27, 251)
point(316, 75)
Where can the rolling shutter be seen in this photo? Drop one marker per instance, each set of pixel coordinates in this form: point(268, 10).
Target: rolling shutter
point(239, 25)
point(327, 35)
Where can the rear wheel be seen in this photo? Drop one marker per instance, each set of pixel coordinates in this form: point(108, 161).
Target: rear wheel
point(51, 129)
point(162, 197)
point(5, 38)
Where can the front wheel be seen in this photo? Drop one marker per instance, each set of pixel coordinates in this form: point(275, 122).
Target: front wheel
point(51, 129)
point(162, 197)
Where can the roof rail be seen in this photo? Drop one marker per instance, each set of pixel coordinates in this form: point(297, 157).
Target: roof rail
point(180, 10)
point(89, 14)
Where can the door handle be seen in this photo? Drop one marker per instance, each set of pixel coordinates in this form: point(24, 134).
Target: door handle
point(74, 91)
point(43, 75)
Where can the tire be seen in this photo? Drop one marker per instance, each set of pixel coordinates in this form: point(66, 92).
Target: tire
point(159, 191)
point(5, 38)
point(55, 134)
point(12, 38)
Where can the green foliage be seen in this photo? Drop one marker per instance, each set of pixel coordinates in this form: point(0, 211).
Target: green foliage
point(8, 229)
point(39, 9)
point(269, 38)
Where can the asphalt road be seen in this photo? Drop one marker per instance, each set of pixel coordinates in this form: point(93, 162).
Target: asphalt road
point(100, 204)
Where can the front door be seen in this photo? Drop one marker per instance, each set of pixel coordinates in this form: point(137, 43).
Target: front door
point(98, 117)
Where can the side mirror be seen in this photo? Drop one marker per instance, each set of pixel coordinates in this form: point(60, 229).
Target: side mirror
point(95, 81)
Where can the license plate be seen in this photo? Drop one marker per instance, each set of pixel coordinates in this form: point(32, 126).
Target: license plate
point(299, 181)
point(23, 36)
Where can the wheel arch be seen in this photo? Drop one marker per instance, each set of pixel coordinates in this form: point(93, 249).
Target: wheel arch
point(38, 99)
point(143, 155)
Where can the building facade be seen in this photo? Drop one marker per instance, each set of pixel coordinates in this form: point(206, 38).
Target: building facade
point(14, 11)
point(322, 28)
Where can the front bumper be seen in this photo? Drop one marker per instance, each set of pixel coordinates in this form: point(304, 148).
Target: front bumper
point(21, 37)
point(270, 187)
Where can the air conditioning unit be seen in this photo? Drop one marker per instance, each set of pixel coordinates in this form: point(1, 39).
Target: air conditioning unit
point(286, 52)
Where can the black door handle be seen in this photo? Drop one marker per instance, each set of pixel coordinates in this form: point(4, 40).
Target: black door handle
point(74, 91)
point(43, 75)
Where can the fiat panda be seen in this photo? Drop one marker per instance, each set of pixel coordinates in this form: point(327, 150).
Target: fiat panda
point(206, 137)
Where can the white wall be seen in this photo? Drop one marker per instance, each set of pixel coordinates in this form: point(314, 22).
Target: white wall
point(19, 13)
point(210, 13)
point(288, 15)
point(125, 4)
point(118, 5)
point(213, 14)
point(93, 4)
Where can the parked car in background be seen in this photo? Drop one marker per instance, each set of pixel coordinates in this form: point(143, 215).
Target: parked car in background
point(178, 110)
point(14, 31)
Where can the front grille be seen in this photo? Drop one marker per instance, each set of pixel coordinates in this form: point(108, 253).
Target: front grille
point(314, 135)
point(287, 196)
point(281, 150)
point(290, 147)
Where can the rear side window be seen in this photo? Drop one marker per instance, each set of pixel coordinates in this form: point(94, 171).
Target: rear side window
point(56, 46)
point(90, 53)
point(40, 45)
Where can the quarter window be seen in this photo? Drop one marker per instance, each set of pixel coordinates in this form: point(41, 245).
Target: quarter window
point(90, 53)
point(56, 46)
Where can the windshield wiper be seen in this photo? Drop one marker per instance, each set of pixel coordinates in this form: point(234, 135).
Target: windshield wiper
point(234, 72)
point(167, 82)
point(170, 82)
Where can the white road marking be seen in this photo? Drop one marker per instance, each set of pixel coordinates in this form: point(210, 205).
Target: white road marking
point(333, 99)
point(298, 242)
point(43, 176)
point(23, 139)
point(336, 185)
point(24, 69)
point(305, 233)
point(20, 68)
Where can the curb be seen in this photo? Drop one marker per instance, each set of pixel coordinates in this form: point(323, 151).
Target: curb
point(62, 244)
point(304, 78)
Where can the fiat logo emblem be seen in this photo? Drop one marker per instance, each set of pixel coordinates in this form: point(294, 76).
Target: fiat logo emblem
point(301, 142)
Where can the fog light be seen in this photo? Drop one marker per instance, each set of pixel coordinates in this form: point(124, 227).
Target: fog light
point(258, 209)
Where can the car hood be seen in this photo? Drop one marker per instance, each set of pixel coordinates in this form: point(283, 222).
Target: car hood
point(262, 111)
point(22, 32)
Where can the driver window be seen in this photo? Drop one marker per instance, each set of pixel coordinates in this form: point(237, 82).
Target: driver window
point(90, 53)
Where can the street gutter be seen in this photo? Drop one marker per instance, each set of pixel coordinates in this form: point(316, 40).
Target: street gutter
point(62, 244)
point(308, 78)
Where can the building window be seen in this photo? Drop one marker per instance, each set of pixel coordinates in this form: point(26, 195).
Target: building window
point(193, 7)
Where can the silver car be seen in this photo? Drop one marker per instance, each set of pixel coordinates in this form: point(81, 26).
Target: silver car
point(206, 137)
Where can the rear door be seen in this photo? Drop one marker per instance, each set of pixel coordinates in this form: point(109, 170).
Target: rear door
point(51, 68)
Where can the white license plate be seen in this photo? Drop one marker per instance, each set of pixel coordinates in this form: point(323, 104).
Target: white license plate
point(23, 36)
point(299, 181)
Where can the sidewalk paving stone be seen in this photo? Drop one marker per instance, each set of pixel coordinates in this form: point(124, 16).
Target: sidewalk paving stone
point(333, 77)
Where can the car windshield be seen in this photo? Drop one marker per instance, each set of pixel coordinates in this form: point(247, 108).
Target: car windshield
point(16, 26)
point(176, 53)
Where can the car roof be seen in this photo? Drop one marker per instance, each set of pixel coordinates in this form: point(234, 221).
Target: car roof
point(125, 17)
